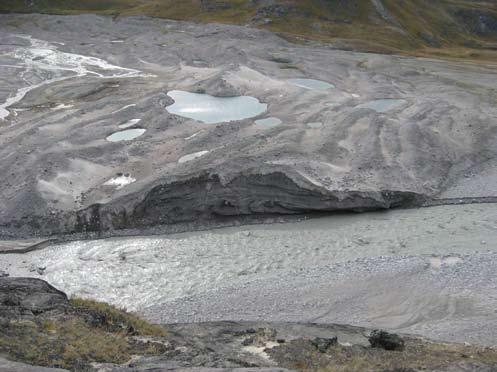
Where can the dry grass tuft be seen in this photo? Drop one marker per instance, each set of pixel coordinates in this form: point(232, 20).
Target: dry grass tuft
point(112, 319)
point(89, 332)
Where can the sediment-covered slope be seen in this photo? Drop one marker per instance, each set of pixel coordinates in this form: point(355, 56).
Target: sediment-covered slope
point(393, 131)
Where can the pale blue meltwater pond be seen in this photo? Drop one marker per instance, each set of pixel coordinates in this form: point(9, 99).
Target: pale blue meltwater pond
point(211, 110)
point(311, 84)
point(125, 135)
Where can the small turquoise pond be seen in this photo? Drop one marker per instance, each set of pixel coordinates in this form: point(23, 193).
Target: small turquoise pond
point(211, 110)
point(312, 84)
point(125, 135)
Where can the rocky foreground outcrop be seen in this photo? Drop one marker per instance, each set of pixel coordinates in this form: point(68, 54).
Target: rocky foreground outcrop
point(41, 326)
point(25, 298)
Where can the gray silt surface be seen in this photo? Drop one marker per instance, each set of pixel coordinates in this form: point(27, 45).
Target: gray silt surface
point(53, 141)
point(428, 271)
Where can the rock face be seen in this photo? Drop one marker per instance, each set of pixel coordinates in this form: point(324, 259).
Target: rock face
point(385, 340)
point(207, 197)
point(27, 297)
point(479, 22)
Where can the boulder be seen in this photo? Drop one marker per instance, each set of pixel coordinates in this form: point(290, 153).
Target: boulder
point(29, 296)
point(323, 344)
point(385, 340)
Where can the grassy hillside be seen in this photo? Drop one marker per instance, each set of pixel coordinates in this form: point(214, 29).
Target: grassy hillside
point(86, 332)
point(458, 28)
